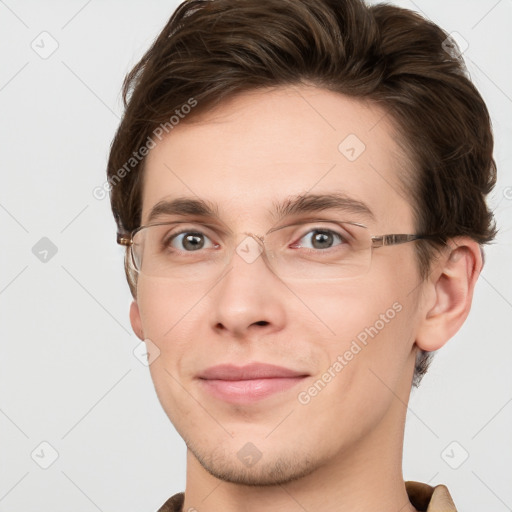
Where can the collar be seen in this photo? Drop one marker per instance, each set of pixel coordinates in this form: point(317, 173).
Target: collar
point(429, 499)
point(422, 496)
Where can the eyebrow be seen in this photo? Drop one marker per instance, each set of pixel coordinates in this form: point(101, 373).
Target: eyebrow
point(300, 204)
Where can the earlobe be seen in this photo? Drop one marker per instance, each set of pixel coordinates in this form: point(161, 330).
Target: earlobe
point(135, 320)
point(450, 293)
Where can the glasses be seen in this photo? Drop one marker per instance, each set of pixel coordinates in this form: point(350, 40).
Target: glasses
point(312, 250)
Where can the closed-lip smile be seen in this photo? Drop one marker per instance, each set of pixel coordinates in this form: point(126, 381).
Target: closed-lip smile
point(245, 384)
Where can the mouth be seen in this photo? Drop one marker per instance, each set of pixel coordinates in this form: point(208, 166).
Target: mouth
point(250, 383)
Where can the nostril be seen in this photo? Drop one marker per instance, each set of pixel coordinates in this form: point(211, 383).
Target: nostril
point(261, 322)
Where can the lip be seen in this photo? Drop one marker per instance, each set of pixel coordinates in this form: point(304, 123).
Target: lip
point(248, 372)
point(249, 383)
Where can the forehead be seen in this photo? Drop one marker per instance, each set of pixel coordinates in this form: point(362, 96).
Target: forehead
point(262, 147)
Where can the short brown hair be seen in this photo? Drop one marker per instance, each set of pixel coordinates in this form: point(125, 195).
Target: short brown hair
point(213, 49)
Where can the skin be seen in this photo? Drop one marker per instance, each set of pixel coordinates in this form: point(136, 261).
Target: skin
point(343, 449)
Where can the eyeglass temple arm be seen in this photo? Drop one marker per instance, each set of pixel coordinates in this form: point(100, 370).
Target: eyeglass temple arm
point(379, 241)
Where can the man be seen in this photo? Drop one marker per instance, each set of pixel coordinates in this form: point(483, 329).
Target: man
point(301, 188)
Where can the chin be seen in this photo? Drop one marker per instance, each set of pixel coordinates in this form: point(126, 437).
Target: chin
point(248, 466)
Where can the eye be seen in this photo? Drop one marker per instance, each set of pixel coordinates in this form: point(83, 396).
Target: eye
point(320, 238)
point(189, 241)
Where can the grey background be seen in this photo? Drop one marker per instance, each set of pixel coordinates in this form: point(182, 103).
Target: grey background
point(68, 375)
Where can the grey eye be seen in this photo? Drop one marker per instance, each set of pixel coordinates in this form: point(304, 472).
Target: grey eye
point(320, 239)
point(190, 241)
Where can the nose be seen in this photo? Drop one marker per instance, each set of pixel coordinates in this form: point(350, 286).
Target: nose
point(249, 298)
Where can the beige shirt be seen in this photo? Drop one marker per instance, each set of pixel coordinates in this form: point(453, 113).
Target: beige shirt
point(422, 496)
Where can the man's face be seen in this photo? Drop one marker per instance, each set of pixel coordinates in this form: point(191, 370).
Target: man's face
point(353, 338)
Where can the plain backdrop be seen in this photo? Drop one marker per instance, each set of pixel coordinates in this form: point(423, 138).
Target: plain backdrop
point(73, 396)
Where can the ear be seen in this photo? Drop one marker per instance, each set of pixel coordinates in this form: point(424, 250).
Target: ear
point(449, 293)
point(135, 320)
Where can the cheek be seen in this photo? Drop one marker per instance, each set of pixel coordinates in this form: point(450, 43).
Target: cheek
point(167, 315)
point(364, 359)
point(368, 323)
point(363, 364)
point(344, 310)
point(169, 319)
point(166, 306)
